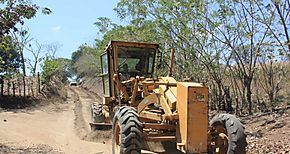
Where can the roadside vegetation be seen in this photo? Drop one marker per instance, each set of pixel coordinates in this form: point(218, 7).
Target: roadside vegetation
point(15, 39)
point(241, 48)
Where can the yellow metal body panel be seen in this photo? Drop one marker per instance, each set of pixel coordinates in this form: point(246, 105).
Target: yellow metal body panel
point(168, 80)
point(106, 100)
point(150, 116)
point(169, 94)
point(165, 106)
point(153, 98)
point(192, 107)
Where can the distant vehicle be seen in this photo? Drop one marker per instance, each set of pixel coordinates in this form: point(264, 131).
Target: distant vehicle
point(73, 83)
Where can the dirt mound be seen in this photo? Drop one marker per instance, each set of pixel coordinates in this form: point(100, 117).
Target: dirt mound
point(93, 85)
point(54, 89)
point(268, 132)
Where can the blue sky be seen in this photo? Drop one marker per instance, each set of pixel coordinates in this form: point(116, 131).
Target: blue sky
point(71, 23)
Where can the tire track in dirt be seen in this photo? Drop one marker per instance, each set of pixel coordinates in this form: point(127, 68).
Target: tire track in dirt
point(83, 101)
point(79, 121)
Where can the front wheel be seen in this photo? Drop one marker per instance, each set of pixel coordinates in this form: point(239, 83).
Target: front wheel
point(126, 131)
point(97, 114)
point(227, 135)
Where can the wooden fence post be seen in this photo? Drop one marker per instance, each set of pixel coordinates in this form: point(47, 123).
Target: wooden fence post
point(13, 88)
point(27, 87)
point(32, 85)
point(8, 87)
point(19, 85)
point(38, 82)
point(24, 88)
point(237, 106)
point(2, 85)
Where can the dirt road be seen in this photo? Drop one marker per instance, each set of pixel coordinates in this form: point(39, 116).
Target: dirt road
point(62, 127)
point(57, 128)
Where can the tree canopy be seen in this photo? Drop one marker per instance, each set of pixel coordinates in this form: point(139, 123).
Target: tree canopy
point(9, 57)
point(223, 41)
point(85, 61)
point(13, 12)
point(57, 68)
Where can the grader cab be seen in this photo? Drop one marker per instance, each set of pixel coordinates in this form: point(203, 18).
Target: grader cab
point(140, 107)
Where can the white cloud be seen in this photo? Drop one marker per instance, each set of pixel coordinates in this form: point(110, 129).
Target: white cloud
point(56, 28)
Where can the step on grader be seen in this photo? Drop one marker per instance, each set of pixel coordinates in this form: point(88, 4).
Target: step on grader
point(140, 107)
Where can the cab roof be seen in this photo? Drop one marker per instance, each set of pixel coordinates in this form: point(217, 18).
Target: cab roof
point(132, 44)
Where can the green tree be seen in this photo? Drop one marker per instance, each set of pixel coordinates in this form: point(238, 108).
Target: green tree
point(145, 32)
point(14, 12)
point(85, 61)
point(175, 22)
point(215, 39)
point(181, 25)
point(9, 57)
point(55, 69)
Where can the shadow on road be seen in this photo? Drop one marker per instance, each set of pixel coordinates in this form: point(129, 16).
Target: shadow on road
point(28, 104)
point(17, 102)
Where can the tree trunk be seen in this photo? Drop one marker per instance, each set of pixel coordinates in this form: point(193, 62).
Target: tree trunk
point(214, 97)
point(237, 106)
point(249, 100)
point(2, 86)
point(8, 87)
point(19, 85)
point(284, 24)
point(220, 97)
point(249, 95)
point(38, 82)
point(24, 85)
point(13, 88)
point(24, 72)
point(271, 99)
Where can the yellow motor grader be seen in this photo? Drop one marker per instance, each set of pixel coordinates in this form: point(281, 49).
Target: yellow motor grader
point(140, 107)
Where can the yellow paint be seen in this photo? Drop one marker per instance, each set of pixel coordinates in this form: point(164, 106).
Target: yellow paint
point(193, 116)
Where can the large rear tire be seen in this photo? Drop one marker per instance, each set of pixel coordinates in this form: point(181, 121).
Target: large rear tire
point(233, 130)
point(126, 131)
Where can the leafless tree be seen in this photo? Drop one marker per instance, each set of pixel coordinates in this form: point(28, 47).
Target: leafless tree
point(35, 49)
point(276, 17)
point(52, 48)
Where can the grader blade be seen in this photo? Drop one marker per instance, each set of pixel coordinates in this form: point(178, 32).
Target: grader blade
point(100, 126)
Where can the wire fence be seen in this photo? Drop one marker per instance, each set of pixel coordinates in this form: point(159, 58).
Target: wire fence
point(20, 86)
